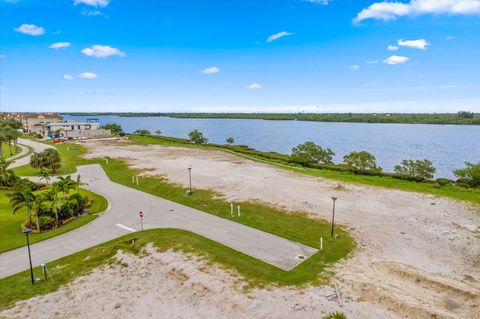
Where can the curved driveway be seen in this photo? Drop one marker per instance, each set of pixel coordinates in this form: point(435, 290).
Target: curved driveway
point(122, 218)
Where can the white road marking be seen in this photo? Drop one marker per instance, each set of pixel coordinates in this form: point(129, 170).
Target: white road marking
point(126, 228)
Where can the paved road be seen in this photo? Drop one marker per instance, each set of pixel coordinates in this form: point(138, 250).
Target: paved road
point(37, 147)
point(122, 218)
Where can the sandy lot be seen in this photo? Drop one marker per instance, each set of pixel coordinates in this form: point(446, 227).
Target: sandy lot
point(418, 256)
point(174, 285)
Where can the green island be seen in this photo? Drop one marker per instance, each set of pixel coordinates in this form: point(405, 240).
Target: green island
point(460, 118)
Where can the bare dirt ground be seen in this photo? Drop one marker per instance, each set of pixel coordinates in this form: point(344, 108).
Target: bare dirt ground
point(418, 256)
point(174, 285)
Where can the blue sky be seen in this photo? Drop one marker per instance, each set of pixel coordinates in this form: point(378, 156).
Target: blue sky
point(240, 56)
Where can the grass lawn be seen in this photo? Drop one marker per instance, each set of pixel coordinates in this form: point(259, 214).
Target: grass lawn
point(71, 158)
point(450, 191)
point(11, 236)
point(6, 150)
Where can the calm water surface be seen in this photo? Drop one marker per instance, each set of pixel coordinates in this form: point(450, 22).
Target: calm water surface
point(448, 146)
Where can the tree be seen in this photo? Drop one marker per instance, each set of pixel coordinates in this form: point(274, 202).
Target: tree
point(45, 174)
point(114, 128)
point(52, 196)
point(65, 184)
point(469, 175)
point(310, 152)
point(143, 132)
point(230, 140)
point(7, 176)
point(23, 196)
point(78, 182)
point(158, 132)
point(362, 161)
point(197, 137)
point(418, 170)
point(48, 159)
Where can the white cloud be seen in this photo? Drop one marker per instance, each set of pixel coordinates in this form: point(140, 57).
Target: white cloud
point(69, 77)
point(415, 44)
point(59, 45)
point(254, 86)
point(396, 59)
point(211, 70)
point(372, 61)
point(389, 10)
point(354, 67)
point(450, 37)
point(322, 2)
point(102, 51)
point(93, 3)
point(392, 48)
point(278, 35)
point(87, 75)
point(91, 13)
point(30, 29)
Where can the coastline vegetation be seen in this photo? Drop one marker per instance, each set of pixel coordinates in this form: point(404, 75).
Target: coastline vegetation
point(460, 118)
point(345, 173)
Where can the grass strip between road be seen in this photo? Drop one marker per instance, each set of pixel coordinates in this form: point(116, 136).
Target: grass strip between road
point(11, 236)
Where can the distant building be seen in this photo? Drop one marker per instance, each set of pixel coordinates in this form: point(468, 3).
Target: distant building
point(30, 120)
point(72, 130)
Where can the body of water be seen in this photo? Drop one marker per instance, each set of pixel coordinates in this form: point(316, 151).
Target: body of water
point(447, 146)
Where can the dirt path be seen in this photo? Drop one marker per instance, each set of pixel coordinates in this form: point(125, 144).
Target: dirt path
point(418, 256)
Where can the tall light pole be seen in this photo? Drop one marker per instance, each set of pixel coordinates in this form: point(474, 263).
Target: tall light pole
point(190, 180)
point(333, 215)
point(27, 231)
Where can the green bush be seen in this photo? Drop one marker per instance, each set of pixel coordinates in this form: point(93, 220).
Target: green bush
point(336, 315)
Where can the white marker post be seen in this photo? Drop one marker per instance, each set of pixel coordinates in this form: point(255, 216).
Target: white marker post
point(137, 180)
point(106, 160)
point(231, 209)
point(133, 179)
point(321, 243)
point(238, 210)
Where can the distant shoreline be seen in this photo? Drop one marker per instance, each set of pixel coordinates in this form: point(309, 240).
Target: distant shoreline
point(461, 118)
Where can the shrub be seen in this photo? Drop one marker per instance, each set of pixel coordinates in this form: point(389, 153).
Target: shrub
point(48, 159)
point(310, 152)
point(197, 137)
point(362, 161)
point(336, 315)
point(418, 170)
point(470, 175)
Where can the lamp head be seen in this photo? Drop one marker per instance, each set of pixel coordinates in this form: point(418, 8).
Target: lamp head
point(27, 231)
point(334, 198)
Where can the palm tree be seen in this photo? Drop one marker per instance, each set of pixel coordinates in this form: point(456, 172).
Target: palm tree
point(65, 184)
point(52, 196)
point(45, 175)
point(23, 196)
point(78, 182)
point(5, 173)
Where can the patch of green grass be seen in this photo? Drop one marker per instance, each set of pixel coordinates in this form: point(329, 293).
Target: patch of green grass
point(71, 155)
point(11, 236)
point(6, 150)
point(18, 287)
point(279, 160)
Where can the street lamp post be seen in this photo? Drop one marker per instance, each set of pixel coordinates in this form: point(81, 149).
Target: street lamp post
point(333, 215)
point(27, 231)
point(190, 180)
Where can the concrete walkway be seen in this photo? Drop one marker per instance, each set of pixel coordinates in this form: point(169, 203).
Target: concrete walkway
point(122, 218)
